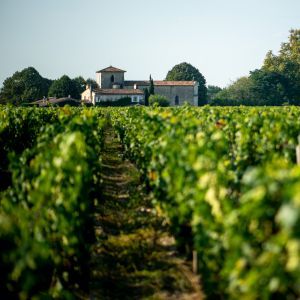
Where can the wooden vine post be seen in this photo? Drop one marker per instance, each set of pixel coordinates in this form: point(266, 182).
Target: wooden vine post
point(298, 151)
point(195, 262)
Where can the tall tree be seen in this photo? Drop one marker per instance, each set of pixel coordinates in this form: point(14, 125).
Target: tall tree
point(92, 82)
point(151, 87)
point(146, 95)
point(63, 87)
point(260, 88)
point(80, 84)
point(185, 71)
point(212, 90)
point(24, 86)
point(287, 63)
point(269, 88)
point(239, 91)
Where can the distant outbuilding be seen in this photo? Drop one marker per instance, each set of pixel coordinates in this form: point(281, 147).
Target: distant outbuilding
point(57, 102)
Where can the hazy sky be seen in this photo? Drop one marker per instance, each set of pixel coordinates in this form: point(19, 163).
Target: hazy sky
point(224, 39)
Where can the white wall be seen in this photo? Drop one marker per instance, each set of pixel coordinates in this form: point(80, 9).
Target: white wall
point(134, 98)
point(88, 95)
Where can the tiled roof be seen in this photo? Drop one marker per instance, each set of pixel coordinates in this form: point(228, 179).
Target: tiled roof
point(179, 83)
point(138, 82)
point(110, 69)
point(159, 83)
point(45, 102)
point(118, 92)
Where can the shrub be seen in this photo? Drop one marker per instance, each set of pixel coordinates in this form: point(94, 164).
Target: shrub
point(120, 102)
point(158, 100)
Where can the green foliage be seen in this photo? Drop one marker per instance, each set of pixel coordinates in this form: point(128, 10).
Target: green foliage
point(146, 96)
point(151, 87)
point(24, 86)
point(225, 177)
point(92, 82)
point(45, 226)
point(287, 63)
point(64, 87)
point(260, 88)
point(212, 91)
point(158, 100)
point(185, 71)
point(262, 259)
point(227, 180)
point(276, 83)
point(80, 84)
point(19, 129)
point(269, 88)
point(239, 92)
point(120, 102)
point(28, 85)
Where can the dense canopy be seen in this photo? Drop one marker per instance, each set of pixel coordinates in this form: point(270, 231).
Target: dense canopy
point(186, 71)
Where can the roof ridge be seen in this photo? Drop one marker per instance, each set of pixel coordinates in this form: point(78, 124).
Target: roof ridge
point(111, 69)
point(164, 82)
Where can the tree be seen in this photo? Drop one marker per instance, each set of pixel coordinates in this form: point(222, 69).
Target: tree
point(269, 88)
point(260, 88)
point(276, 83)
point(212, 90)
point(93, 83)
point(185, 71)
point(63, 87)
point(24, 86)
point(151, 87)
point(80, 84)
point(287, 63)
point(146, 95)
point(158, 100)
point(240, 91)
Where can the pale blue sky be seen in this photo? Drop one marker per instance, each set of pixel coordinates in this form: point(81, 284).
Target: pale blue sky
point(224, 39)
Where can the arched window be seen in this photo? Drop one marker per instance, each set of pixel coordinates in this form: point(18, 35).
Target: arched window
point(112, 78)
point(176, 100)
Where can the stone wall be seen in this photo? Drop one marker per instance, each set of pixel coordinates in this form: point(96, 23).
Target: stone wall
point(104, 79)
point(88, 95)
point(185, 93)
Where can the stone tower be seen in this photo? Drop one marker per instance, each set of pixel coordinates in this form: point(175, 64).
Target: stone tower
point(110, 77)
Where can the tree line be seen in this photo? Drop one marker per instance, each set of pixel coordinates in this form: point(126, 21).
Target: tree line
point(28, 85)
point(277, 82)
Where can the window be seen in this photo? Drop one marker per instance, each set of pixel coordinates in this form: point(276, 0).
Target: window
point(134, 99)
point(112, 78)
point(176, 100)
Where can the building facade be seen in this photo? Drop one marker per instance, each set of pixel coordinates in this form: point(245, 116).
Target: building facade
point(113, 86)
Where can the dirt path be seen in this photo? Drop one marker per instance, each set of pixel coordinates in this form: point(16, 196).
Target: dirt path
point(134, 256)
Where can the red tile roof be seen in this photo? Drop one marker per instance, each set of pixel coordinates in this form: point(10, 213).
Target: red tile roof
point(179, 83)
point(111, 69)
point(118, 92)
point(138, 82)
point(159, 83)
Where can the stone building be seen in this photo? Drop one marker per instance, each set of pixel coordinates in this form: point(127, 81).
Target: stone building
point(113, 86)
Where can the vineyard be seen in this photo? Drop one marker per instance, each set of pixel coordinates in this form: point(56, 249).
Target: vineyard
point(225, 180)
